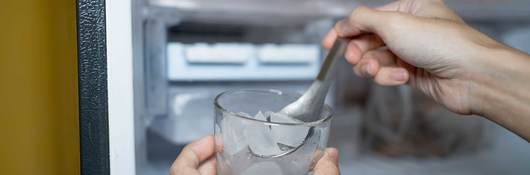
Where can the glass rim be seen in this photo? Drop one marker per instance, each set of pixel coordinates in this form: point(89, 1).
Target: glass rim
point(278, 92)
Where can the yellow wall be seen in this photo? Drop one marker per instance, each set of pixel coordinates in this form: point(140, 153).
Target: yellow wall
point(38, 88)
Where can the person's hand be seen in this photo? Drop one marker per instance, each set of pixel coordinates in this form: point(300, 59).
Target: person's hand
point(425, 44)
point(420, 42)
point(197, 159)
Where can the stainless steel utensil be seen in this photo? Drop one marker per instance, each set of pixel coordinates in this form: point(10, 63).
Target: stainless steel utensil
point(308, 108)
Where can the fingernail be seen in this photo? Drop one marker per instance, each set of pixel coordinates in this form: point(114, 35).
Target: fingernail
point(399, 75)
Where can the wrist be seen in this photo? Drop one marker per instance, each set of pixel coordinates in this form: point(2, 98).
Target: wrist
point(483, 75)
point(501, 80)
point(491, 70)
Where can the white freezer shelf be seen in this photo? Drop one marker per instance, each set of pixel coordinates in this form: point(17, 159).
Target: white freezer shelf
point(288, 54)
point(294, 66)
point(222, 53)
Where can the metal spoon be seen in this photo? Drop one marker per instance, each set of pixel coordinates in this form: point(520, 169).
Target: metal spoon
point(308, 108)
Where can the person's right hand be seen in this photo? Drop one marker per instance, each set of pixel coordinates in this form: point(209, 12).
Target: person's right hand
point(420, 42)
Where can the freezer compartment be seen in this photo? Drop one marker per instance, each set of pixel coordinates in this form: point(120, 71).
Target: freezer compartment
point(184, 51)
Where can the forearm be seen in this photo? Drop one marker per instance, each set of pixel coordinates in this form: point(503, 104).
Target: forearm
point(502, 92)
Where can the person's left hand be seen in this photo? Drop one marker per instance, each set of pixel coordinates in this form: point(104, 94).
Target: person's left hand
point(197, 159)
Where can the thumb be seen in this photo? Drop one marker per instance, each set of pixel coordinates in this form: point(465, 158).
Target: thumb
point(328, 164)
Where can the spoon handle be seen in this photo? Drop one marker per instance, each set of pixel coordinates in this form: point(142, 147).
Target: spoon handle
point(337, 50)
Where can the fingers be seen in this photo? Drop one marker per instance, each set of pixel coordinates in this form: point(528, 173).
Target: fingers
point(384, 20)
point(391, 76)
point(193, 154)
point(358, 46)
point(328, 164)
point(381, 65)
point(371, 61)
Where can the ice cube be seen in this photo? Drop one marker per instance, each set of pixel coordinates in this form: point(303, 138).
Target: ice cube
point(263, 139)
point(233, 139)
point(260, 140)
point(288, 136)
point(261, 116)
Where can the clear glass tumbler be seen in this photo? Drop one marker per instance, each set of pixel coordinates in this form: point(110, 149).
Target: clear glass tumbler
point(253, 140)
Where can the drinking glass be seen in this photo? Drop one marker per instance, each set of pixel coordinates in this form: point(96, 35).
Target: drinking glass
point(253, 140)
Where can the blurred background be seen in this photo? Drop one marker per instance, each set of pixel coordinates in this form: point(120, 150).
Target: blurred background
point(187, 51)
